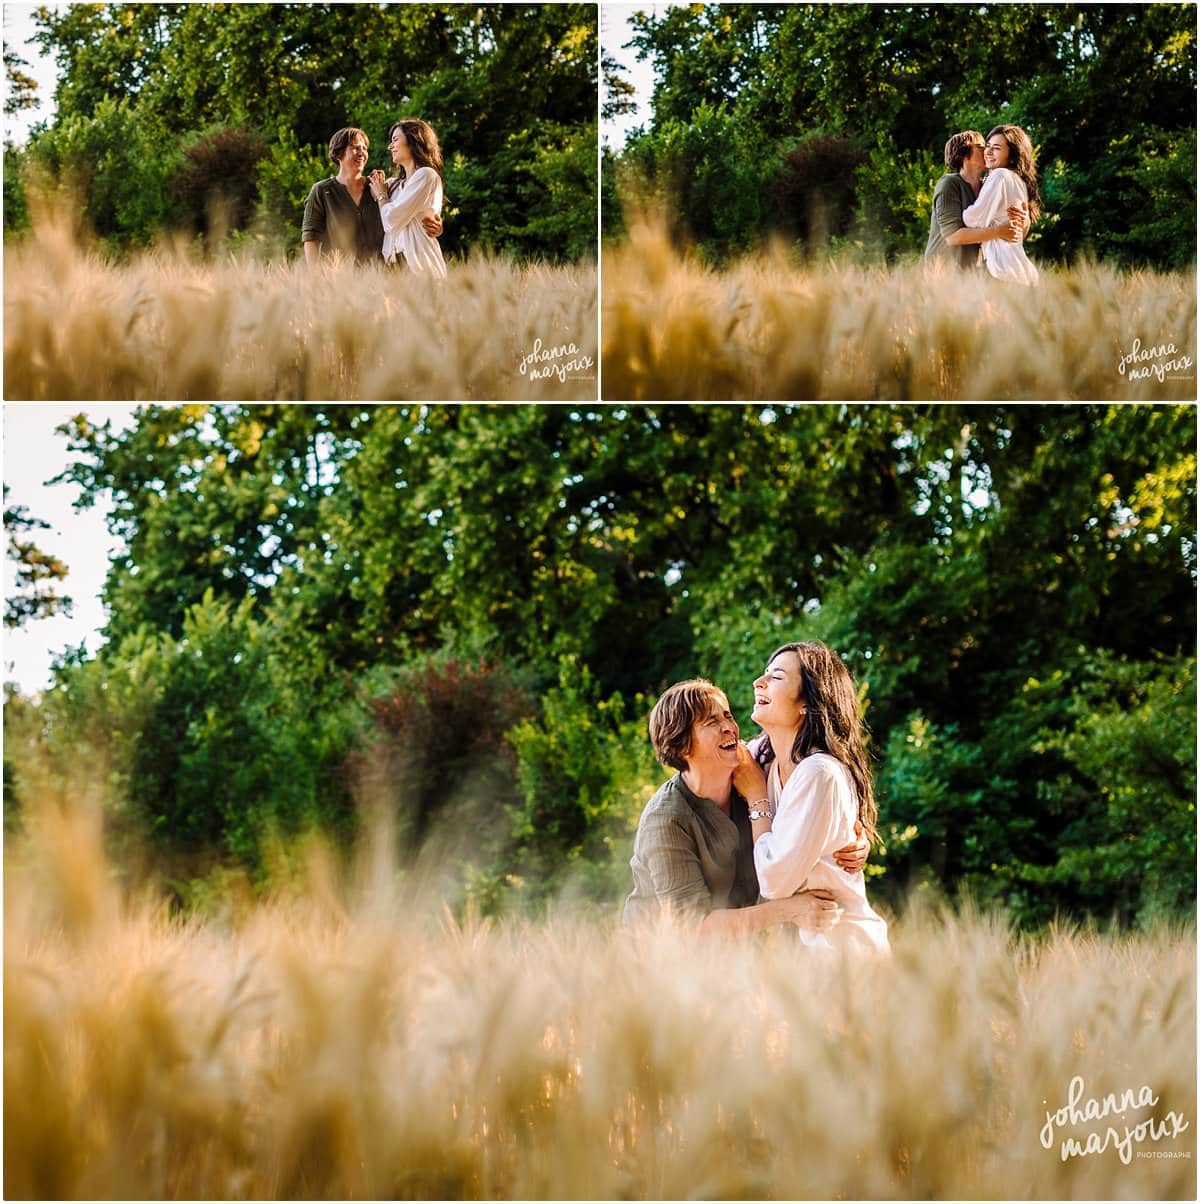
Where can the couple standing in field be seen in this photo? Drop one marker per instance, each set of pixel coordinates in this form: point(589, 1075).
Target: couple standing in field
point(789, 820)
point(372, 218)
point(973, 213)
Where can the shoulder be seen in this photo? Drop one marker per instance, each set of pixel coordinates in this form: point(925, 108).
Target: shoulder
point(668, 804)
point(321, 189)
point(423, 177)
point(824, 769)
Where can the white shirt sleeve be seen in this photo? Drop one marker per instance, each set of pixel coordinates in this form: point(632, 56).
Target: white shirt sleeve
point(409, 202)
point(1000, 190)
point(806, 823)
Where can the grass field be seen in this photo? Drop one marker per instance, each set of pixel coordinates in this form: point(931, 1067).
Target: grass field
point(344, 1037)
point(765, 329)
point(166, 326)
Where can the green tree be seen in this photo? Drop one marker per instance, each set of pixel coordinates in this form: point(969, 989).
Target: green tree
point(510, 89)
point(35, 590)
point(1013, 587)
point(898, 80)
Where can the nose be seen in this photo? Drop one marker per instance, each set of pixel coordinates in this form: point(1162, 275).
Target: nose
point(759, 682)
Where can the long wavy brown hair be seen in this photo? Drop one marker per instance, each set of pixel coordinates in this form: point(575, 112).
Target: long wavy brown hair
point(1022, 162)
point(422, 142)
point(832, 723)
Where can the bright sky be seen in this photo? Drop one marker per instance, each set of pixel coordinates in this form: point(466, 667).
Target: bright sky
point(615, 30)
point(18, 28)
point(33, 454)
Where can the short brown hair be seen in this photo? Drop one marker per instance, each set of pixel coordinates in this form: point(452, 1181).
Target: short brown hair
point(673, 716)
point(342, 139)
point(959, 147)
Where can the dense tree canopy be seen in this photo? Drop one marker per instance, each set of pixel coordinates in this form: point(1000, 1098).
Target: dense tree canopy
point(1014, 586)
point(1106, 92)
point(510, 90)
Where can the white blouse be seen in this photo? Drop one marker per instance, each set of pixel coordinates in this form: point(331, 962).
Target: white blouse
point(814, 817)
point(1005, 260)
point(418, 196)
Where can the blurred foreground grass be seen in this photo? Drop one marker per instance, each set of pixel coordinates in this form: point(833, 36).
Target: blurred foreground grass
point(767, 330)
point(346, 1038)
point(166, 326)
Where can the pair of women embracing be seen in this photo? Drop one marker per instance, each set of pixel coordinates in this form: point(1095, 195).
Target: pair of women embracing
point(781, 821)
point(369, 217)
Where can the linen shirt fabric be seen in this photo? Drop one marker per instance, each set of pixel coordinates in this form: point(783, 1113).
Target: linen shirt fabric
point(1004, 260)
point(415, 197)
point(689, 856)
point(814, 817)
point(333, 219)
point(950, 197)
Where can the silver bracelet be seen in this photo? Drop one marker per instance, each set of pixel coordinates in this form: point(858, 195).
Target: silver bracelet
point(761, 809)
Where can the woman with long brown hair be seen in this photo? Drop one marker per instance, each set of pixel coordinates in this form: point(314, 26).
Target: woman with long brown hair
point(1011, 180)
point(414, 193)
point(816, 787)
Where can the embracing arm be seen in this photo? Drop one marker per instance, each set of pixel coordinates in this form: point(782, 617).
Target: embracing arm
point(966, 235)
point(410, 201)
point(815, 910)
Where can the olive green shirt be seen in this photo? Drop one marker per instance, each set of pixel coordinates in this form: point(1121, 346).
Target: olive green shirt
point(951, 196)
point(333, 219)
point(690, 856)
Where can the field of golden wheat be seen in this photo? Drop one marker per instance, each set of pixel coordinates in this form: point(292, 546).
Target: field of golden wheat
point(166, 326)
point(343, 1036)
point(765, 329)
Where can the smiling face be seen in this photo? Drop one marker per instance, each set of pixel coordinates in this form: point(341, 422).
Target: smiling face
point(777, 694)
point(401, 154)
point(975, 161)
point(714, 737)
point(349, 150)
point(996, 154)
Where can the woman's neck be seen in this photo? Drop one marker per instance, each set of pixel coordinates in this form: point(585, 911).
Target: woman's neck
point(782, 740)
point(713, 784)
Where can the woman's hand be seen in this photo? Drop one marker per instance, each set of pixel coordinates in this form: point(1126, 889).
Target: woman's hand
point(1018, 222)
point(378, 182)
point(748, 778)
point(854, 856)
point(816, 910)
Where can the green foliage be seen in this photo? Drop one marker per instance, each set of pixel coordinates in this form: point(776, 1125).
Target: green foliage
point(118, 163)
point(436, 746)
point(1106, 93)
point(16, 204)
point(585, 773)
point(217, 742)
point(33, 593)
point(1129, 785)
point(510, 90)
point(1012, 586)
point(286, 175)
point(711, 172)
point(218, 174)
